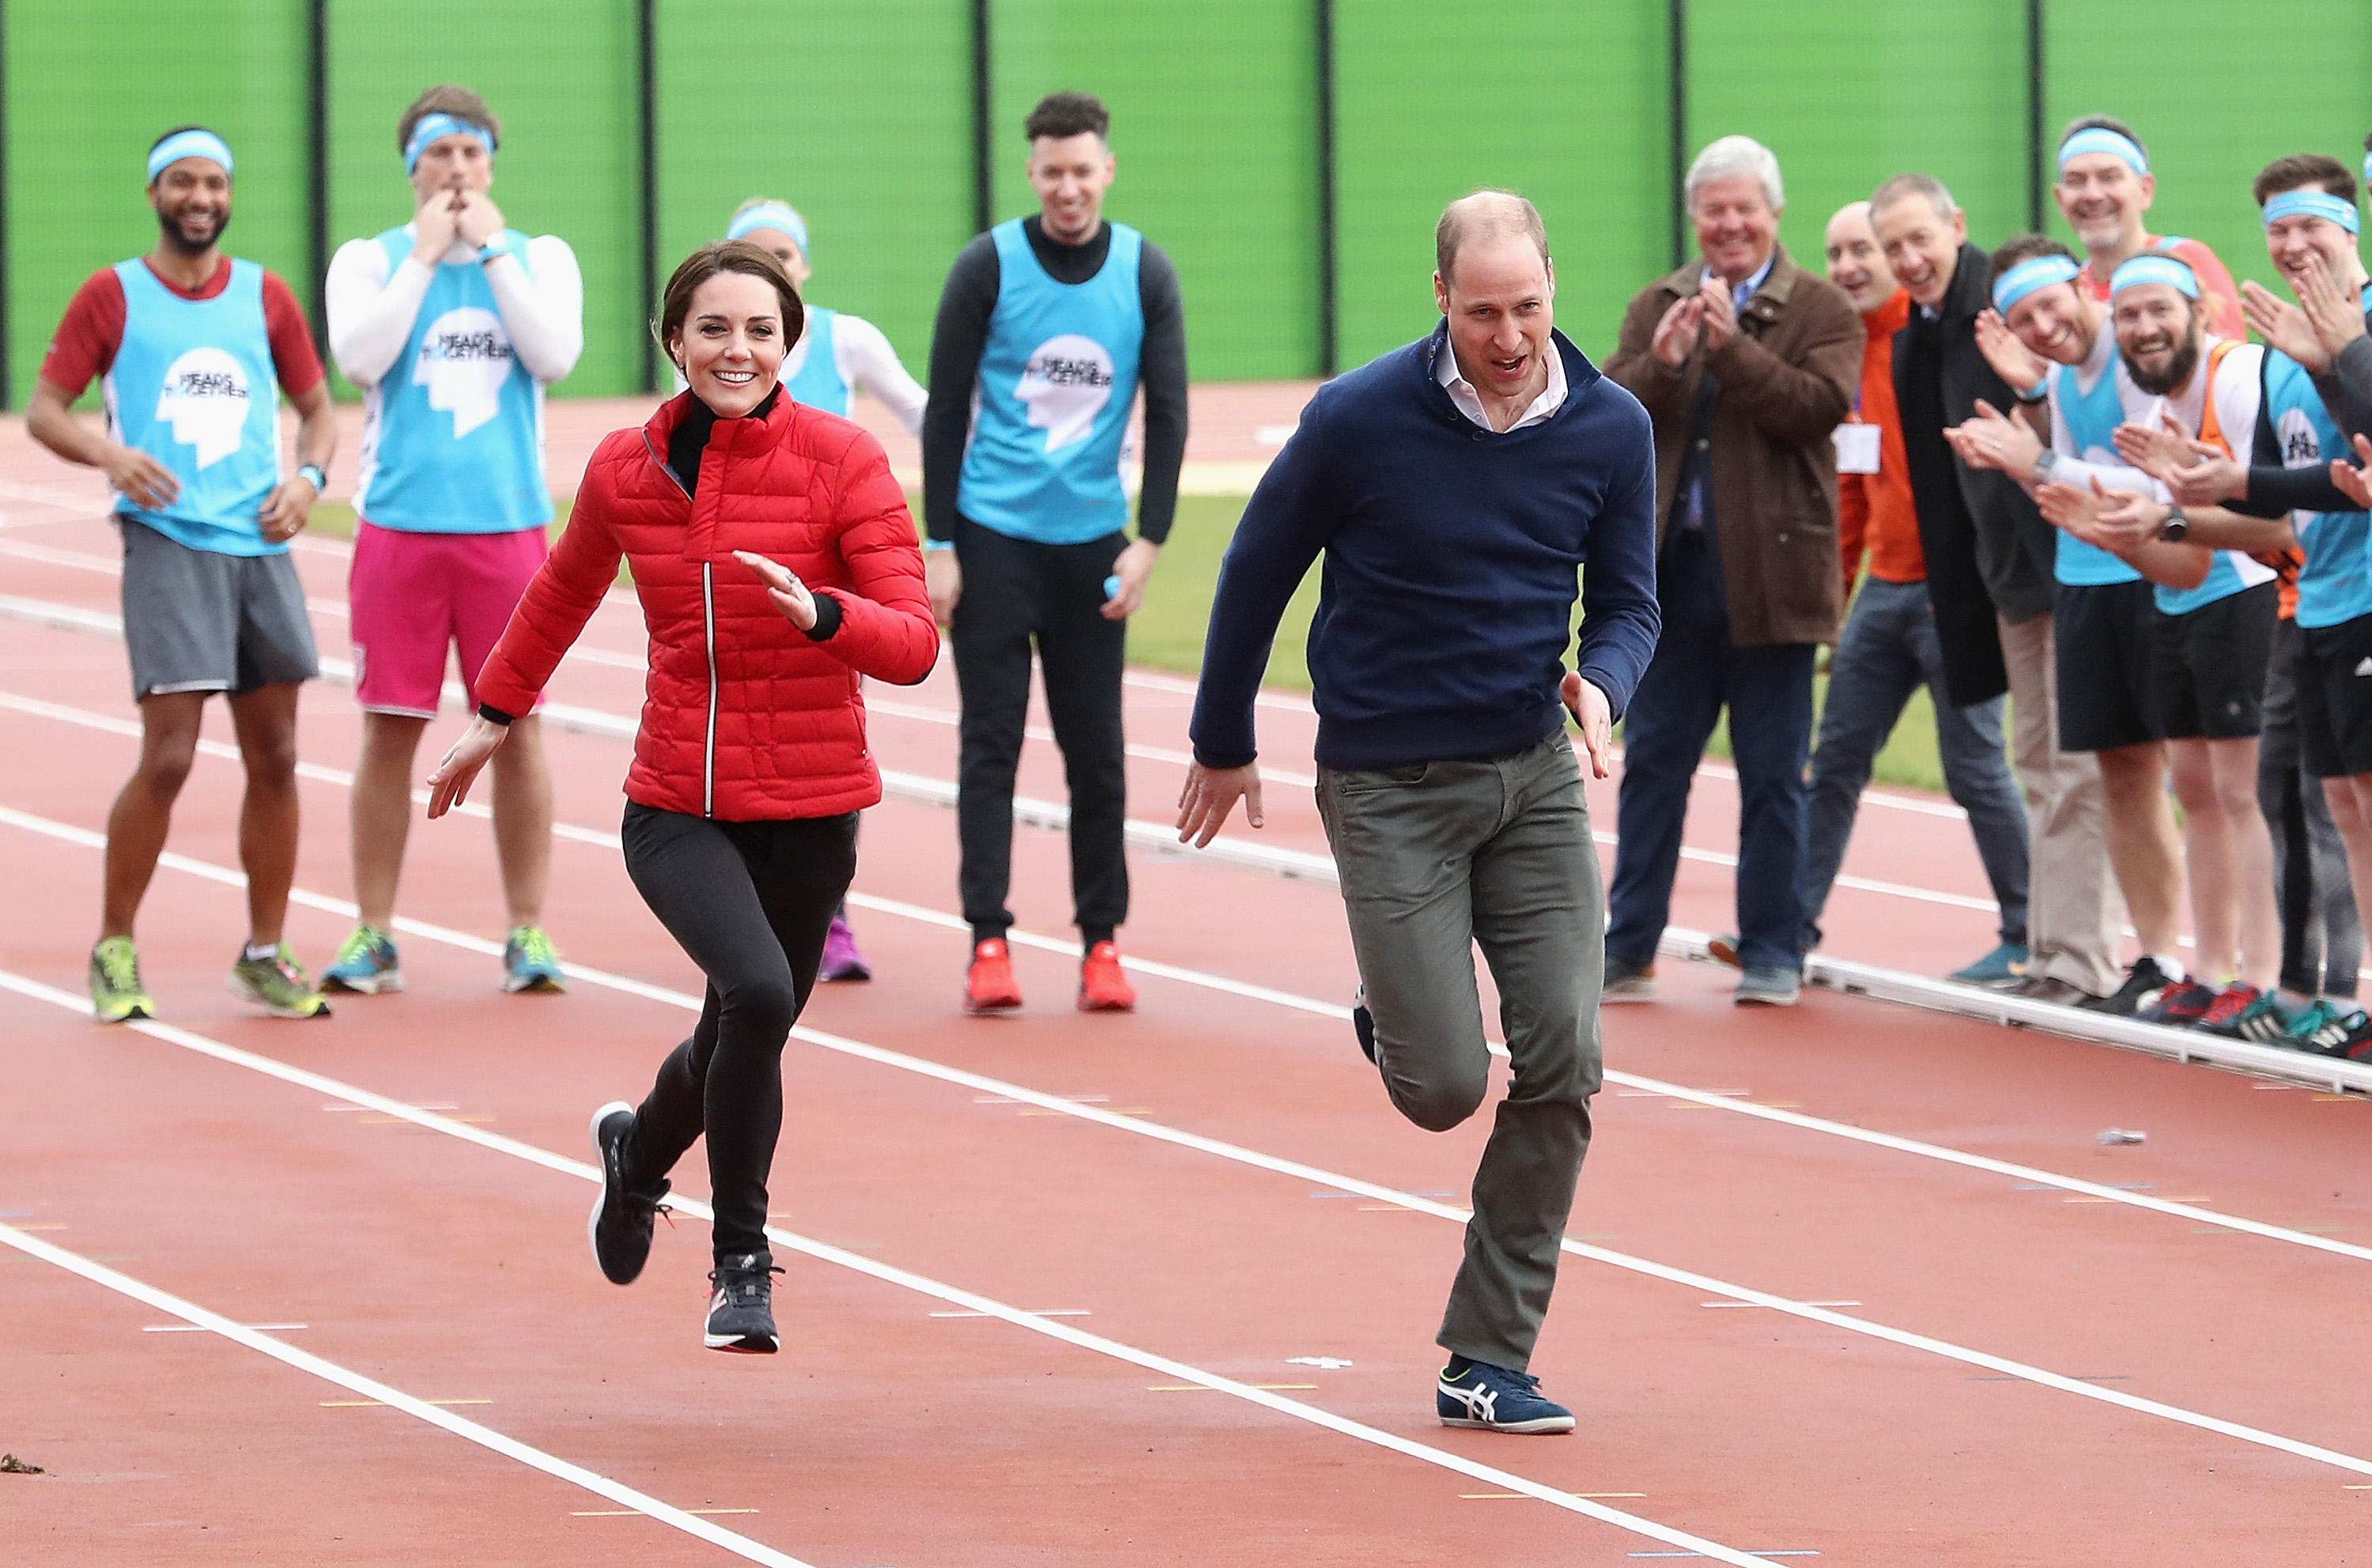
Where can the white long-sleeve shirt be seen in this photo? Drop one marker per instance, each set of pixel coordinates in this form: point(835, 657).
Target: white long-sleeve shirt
point(371, 311)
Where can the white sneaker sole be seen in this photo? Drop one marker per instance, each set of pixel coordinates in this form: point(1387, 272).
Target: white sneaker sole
point(742, 1344)
point(1547, 1424)
point(385, 983)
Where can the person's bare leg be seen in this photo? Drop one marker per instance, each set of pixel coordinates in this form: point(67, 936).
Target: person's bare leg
point(2258, 915)
point(265, 721)
point(143, 813)
point(2143, 847)
point(381, 820)
point(2207, 856)
point(523, 820)
point(2350, 800)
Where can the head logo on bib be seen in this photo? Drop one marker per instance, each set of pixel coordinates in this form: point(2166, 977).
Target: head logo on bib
point(1065, 384)
point(205, 399)
point(465, 357)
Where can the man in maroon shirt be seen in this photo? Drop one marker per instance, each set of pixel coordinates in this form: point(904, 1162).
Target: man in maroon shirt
point(191, 342)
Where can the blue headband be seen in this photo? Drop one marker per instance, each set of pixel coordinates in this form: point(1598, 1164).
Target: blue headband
point(2314, 205)
point(432, 126)
point(772, 215)
point(2175, 274)
point(2100, 139)
point(187, 144)
point(2034, 272)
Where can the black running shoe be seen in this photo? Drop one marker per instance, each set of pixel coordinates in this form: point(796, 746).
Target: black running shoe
point(1363, 1023)
point(741, 1309)
point(2348, 1036)
point(2143, 981)
point(621, 1225)
point(2183, 1004)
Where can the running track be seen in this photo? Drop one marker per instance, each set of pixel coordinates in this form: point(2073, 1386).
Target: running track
point(1057, 1284)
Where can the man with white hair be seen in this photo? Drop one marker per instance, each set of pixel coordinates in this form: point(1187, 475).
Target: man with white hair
point(1455, 487)
point(1746, 364)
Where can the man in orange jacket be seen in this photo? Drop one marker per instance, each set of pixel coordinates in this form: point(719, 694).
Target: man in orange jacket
point(1890, 648)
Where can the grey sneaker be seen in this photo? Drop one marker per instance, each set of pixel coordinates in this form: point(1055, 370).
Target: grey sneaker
point(1769, 988)
point(1627, 981)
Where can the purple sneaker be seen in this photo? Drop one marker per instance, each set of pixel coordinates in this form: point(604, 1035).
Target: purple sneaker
point(841, 958)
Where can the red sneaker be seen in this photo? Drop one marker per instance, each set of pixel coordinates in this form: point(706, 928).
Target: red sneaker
point(1102, 987)
point(989, 986)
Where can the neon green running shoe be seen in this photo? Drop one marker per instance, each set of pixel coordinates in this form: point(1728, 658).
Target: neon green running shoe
point(116, 993)
point(277, 985)
point(530, 963)
point(367, 964)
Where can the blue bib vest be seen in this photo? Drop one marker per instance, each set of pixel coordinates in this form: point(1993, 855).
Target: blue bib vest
point(193, 386)
point(454, 439)
point(819, 383)
point(2335, 585)
point(2092, 419)
point(1057, 379)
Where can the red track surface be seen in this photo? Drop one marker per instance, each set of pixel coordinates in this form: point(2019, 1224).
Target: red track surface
point(886, 1435)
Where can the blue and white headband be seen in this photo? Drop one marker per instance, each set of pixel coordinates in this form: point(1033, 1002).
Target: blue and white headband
point(187, 144)
point(774, 216)
point(2314, 205)
point(2175, 274)
point(2100, 139)
point(432, 126)
point(2034, 272)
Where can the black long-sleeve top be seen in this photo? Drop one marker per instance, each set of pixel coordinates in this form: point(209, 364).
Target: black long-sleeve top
point(966, 305)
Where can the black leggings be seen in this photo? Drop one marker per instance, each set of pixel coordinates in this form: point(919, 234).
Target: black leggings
point(750, 902)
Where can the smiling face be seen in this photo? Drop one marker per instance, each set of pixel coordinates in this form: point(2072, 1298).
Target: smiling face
point(1736, 225)
point(1500, 304)
point(730, 347)
point(1855, 263)
point(457, 162)
point(1920, 244)
point(2157, 332)
point(1070, 175)
point(2103, 199)
point(191, 199)
point(2060, 322)
point(2291, 240)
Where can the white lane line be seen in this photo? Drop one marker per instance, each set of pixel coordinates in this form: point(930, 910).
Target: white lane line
point(954, 1295)
point(198, 1318)
point(1143, 1127)
point(1637, 1084)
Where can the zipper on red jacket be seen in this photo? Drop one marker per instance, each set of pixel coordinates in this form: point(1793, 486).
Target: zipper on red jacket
point(708, 636)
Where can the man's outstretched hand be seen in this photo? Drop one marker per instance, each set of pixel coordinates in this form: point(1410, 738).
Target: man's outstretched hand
point(1210, 795)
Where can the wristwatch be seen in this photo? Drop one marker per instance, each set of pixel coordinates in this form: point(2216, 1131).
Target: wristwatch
point(2176, 529)
point(311, 474)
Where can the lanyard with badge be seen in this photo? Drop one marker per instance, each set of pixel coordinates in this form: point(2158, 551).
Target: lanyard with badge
point(1856, 444)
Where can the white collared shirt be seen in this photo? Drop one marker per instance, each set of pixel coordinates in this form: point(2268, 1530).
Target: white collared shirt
point(1470, 401)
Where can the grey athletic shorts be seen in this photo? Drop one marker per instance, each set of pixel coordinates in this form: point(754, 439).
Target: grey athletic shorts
point(197, 620)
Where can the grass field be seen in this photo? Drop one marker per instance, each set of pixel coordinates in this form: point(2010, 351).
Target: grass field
point(1168, 633)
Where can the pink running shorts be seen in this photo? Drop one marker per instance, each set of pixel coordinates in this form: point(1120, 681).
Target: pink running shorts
point(412, 596)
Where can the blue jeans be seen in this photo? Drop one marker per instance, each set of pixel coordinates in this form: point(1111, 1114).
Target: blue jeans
point(1889, 649)
point(1696, 672)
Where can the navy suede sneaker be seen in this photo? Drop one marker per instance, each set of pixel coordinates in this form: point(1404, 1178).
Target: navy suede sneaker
point(1491, 1398)
point(741, 1307)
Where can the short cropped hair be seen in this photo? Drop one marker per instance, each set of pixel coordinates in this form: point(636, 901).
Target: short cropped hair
point(1734, 155)
point(1067, 114)
point(726, 256)
point(1901, 186)
point(2026, 247)
point(2303, 171)
point(1469, 218)
point(2103, 122)
point(459, 102)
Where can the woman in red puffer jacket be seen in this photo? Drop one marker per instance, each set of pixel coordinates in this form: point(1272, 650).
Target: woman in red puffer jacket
point(776, 564)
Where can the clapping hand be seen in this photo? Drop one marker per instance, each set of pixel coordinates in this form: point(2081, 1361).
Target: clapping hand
point(2284, 326)
point(2336, 320)
point(1676, 334)
point(2084, 512)
point(1720, 315)
point(2157, 452)
point(2011, 359)
point(2353, 482)
point(1988, 440)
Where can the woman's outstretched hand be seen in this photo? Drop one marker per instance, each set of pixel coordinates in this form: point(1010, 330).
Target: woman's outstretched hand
point(791, 595)
point(448, 783)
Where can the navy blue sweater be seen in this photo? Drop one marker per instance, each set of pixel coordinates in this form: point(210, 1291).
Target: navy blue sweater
point(1445, 606)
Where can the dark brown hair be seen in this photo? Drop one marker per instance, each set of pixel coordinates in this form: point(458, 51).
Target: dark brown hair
point(1067, 114)
point(2103, 122)
point(2303, 171)
point(726, 256)
point(459, 102)
point(2026, 247)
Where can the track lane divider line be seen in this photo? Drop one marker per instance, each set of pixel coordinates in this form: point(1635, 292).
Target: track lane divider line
point(1274, 997)
point(823, 1253)
point(434, 1415)
point(1299, 1171)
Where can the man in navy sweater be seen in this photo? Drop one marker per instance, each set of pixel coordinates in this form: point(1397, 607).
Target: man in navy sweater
point(1455, 487)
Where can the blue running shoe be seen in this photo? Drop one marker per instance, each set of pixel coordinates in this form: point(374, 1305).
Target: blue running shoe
point(530, 963)
point(366, 964)
point(1491, 1398)
point(2000, 967)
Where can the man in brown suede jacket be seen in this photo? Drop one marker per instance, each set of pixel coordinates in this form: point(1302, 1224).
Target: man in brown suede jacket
point(1748, 364)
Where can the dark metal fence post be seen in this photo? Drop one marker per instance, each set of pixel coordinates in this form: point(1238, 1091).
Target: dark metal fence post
point(1679, 130)
point(646, 89)
point(7, 342)
point(2036, 153)
point(1329, 345)
point(316, 162)
point(984, 171)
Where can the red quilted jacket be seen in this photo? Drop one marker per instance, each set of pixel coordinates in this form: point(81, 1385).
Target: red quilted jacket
point(745, 718)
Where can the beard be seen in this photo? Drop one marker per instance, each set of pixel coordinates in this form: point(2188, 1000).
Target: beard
point(181, 239)
point(2163, 383)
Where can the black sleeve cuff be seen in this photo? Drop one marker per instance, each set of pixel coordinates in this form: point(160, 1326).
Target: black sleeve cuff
point(827, 618)
point(493, 715)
